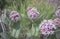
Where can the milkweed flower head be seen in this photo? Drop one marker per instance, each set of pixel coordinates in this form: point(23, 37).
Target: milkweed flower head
point(14, 16)
point(57, 22)
point(32, 13)
point(46, 27)
point(57, 12)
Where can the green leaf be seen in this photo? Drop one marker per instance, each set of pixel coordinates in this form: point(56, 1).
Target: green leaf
point(16, 25)
point(15, 33)
point(36, 31)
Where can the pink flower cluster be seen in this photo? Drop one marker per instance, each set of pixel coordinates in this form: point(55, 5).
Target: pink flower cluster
point(57, 12)
point(57, 21)
point(46, 27)
point(32, 13)
point(14, 16)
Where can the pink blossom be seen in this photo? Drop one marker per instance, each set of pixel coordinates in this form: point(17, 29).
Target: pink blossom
point(57, 12)
point(14, 16)
point(32, 13)
point(57, 21)
point(46, 27)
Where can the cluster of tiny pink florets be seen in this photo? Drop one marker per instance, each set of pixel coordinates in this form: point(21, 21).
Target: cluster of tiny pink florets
point(32, 13)
point(57, 22)
point(14, 16)
point(46, 27)
point(57, 12)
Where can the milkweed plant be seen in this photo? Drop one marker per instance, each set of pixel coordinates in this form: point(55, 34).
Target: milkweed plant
point(30, 21)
